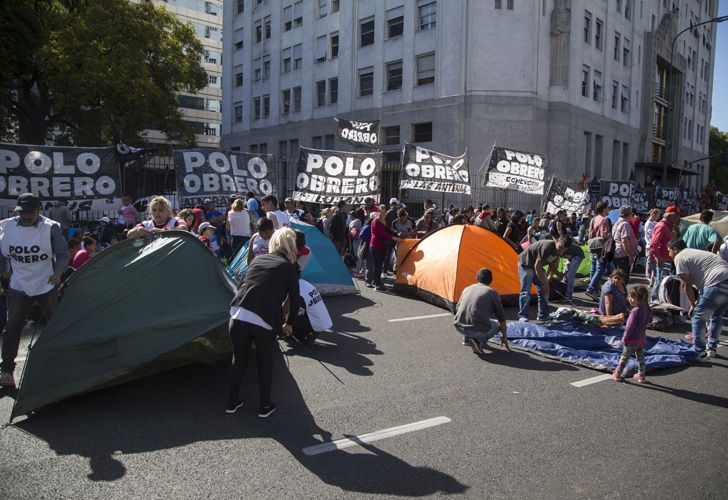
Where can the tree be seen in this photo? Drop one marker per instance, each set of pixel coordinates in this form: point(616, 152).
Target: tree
point(718, 166)
point(90, 72)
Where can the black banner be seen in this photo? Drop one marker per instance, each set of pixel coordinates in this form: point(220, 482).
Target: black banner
point(364, 134)
point(664, 197)
point(509, 169)
point(331, 176)
point(215, 174)
point(640, 203)
point(432, 171)
point(562, 197)
point(616, 193)
point(59, 173)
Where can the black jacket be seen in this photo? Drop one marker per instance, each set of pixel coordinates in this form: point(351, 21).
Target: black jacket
point(270, 278)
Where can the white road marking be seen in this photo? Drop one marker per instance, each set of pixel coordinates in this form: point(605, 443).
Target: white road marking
point(420, 317)
point(723, 343)
point(340, 444)
point(592, 380)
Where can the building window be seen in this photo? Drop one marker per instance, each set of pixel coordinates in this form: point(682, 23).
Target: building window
point(366, 82)
point(627, 9)
point(619, 6)
point(617, 46)
point(297, 56)
point(393, 157)
point(258, 31)
point(624, 106)
point(212, 81)
point(286, 60)
point(334, 44)
point(256, 70)
point(321, 93)
point(239, 38)
point(296, 99)
point(320, 50)
point(288, 18)
point(428, 15)
point(239, 79)
point(266, 106)
point(422, 132)
point(626, 51)
point(615, 93)
point(329, 141)
point(498, 4)
point(509, 4)
point(241, 6)
point(585, 72)
point(366, 32)
point(266, 67)
point(426, 69)
point(391, 136)
point(256, 108)
point(597, 86)
point(285, 101)
point(394, 75)
point(266, 22)
point(298, 14)
point(316, 142)
point(334, 6)
point(598, 30)
point(587, 27)
point(323, 8)
point(395, 22)
point(333, 90)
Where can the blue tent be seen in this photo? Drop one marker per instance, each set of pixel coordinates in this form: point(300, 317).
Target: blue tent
point(593, 347)
point(326, 271)
point(614, 215)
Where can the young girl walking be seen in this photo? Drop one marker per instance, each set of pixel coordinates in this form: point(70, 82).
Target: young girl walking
point(635, 333)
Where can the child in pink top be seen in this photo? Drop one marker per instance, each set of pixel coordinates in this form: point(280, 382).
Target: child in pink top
point(83, 255)
point(635, 333)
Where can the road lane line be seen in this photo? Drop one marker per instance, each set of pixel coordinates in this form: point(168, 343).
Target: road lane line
point(723, 343)
point(420, 317)
point(593, 380)
point(348, 442)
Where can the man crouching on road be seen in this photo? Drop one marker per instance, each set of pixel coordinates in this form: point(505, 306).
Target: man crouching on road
point(33, 247)
point(477, 305)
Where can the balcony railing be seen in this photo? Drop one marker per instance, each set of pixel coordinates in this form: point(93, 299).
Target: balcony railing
point(658, 131)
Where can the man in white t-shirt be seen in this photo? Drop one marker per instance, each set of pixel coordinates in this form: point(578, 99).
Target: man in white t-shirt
point(708, 272)
point(35, 254)
point(279, 218)
point(291, 211)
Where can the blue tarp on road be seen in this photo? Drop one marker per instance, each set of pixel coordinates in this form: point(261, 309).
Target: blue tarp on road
point(596, 348)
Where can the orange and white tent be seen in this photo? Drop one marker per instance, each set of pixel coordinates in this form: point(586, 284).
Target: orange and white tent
point(438, 267)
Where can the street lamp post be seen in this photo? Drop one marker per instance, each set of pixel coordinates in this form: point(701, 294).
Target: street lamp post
point(668, 135)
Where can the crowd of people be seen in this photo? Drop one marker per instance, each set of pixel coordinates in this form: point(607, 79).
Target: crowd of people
point(37, 254)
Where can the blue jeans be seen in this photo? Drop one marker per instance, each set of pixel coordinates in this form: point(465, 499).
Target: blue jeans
point(659, 274)
point(481, 338)
point(571, 267)
point(598, 269)
point(711, 306)
point(528, 277)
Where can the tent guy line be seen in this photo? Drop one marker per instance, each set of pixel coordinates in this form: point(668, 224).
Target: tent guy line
point(348, 442)
point(420, 317)
point(592, 380)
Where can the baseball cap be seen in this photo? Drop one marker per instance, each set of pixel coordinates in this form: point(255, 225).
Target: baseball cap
point(105, 219)
point(394, 201)
point(27, 202)
point(673, 209)
point(203, 226)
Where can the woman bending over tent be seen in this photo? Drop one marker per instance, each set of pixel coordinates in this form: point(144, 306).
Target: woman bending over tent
point(256, 316)
point(161, 218)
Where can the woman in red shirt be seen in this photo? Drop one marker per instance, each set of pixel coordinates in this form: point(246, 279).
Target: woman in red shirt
point(378, 244)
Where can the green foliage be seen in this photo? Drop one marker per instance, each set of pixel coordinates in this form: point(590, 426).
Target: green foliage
point(718, 166)
point(95, 70)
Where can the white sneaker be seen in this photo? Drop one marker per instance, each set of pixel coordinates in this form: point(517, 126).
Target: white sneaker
point(710, 353)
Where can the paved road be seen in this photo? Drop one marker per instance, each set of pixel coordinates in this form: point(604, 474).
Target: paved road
point(517, 427)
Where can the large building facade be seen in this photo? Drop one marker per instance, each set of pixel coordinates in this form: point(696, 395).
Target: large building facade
point(582, 81)
point(203, 109)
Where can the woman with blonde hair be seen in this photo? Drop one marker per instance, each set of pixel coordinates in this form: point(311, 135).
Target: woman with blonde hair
point(238, 225)
point(161, 218)
point(256, 316)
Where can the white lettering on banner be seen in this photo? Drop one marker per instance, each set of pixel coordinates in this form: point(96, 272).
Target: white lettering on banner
point(57, 187)
point(357, 136)
point(226, 174)
point(39, 163)
point(520, 168)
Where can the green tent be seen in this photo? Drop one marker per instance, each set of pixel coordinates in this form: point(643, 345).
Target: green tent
point(136, 308)
point(584, 267)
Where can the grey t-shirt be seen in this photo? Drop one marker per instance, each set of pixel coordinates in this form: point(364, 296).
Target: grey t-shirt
point(478, 304)
point(704, 268)
point(545, 250)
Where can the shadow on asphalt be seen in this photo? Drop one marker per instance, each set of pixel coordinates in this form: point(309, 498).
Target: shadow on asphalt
point(708, 399)
point(344, 350)
point(183, 406)
point(522, 360)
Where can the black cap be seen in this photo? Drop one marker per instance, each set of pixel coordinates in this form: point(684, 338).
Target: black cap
point(27, 202)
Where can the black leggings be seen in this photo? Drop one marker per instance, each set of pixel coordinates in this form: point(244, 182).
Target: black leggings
point(242, 336)
point(378, 255)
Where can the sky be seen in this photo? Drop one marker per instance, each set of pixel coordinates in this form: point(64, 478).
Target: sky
point(719, 117)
